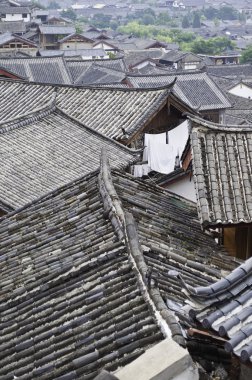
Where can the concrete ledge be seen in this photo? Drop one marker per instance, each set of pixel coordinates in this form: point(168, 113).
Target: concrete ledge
point(165, 361)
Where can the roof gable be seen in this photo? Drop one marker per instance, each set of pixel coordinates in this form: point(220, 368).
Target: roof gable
point(47, 149)
point(196, 89)
point(90, 106)
point(7, 37)
point(57, 29)
point(39, 69)
point(222, 173)
point(75, 37)
point(96, 75)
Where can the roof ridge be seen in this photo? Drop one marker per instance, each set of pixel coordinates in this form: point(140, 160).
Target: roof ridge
point(169, 73)
point(92, 60)
point(209, 125)
point(87, 87)
point(124, 225)
point(70, 77)
point(109, 68)
point(25, 119)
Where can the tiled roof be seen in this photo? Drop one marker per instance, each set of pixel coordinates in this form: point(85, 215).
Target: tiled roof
point(8, 37)
point(174, 55)
point(240, 103)
point(224, 83)
point(59, 68)
point(77, 54)
point(153, 70)
point(18, 98)
point(96, 75)
point(57, 29)
point(85, 53)
point(168, 242)
point(39, 69)
point(222, 172)
point(14, 10)
point(196, 89)
point(111, 110)
point(132, 57)
point(79, 67)
point(12, 26)
point(70, 36)
point(225, 308)
point(104, 110)
point(73, 304)
point(47, 149)
point(93, 35)
point(238, 117)
point(230, 71)
point(76, 285)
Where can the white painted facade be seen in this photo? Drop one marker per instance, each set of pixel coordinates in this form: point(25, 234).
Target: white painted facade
point(183, 187)
point(241, 89)
point(191, 65)
point(143, 64)
point(26, 17)
point(104, 46)
point(75, 45)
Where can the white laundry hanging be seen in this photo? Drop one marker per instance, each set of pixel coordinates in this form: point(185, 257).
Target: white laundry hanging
point(178, 137)
point(159, 153)
point(141, 170)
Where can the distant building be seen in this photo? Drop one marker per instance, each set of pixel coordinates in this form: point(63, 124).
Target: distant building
point(49, 35)
point(15, 14)
point(13, 43)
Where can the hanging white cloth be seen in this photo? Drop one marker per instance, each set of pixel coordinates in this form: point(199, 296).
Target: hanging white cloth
point(158, 152)
point(161, 149)
point(178, 137)
point(161, 157)
point(141, 170)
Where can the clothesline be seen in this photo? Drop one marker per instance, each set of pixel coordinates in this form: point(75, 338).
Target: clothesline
point(160, 150)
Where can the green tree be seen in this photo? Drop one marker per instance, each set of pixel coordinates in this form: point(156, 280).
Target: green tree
point(185, 22)
point(196, 20)
point(69, 13)
point(114, 24)
point(149, 11)
point(174, 24)
point(227, 12)
point(163, 18)
point(148, 19)
point(111, 55)
point(246, 56)
point(210, 13)
point(101, 20)
point(212, 46)
point(79, 28)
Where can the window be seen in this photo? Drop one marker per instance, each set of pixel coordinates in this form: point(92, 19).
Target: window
point(24, 15)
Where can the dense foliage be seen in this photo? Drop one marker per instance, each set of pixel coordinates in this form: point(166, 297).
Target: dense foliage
point(187, 40)
point(246, 56)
